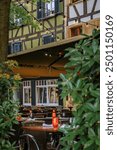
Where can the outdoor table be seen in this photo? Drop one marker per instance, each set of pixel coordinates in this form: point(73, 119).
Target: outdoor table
point(40, 128)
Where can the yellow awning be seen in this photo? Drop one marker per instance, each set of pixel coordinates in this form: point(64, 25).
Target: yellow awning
point(28, 72)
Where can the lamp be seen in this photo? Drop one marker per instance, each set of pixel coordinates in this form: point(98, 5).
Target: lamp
point(76, 20)
point(46, 54)
point(50, 55)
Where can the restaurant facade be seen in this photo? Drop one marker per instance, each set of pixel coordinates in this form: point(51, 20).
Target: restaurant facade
point(40, 51)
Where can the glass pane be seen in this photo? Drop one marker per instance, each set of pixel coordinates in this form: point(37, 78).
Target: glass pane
point(27, 95)
point(42, 95)
point(53, 94)
point(38, 96)
point(52, 5)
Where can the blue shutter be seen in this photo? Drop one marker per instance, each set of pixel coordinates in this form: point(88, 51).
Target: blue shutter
point(43, 9)
point(10, 48)
point(48, 39)
point(39, 15)
point(40, 9)
point(57, 6)
point(16, 46)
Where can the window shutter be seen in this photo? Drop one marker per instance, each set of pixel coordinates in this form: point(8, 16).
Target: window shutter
point(57, 6)
point(10, 48)
point(16, 46)
point(40, 9)
point(33, 92)
point(48, 39)
point(43, 9)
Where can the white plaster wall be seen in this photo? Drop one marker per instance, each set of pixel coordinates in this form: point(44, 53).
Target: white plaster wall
point(79, 6)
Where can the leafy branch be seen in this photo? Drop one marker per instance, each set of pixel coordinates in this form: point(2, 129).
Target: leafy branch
point(82, 82)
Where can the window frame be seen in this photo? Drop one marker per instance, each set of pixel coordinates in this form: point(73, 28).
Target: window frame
point(75, 31)
point(41, 9)
point(18, 22)
point(51, 10)
point(72, 28)
point(27, 85)
point(47, 86)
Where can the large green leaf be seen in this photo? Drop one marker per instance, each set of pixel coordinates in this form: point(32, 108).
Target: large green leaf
point(88, 144)
point(89, 107)
point(95, 45)
point(91, 133)
point(82, 83)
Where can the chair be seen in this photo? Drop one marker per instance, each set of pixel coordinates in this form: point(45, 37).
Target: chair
point(27, 142)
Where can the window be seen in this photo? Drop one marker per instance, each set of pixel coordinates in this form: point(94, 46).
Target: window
point(27, 97)
point(15, 47)
point(18, 22)
point(48, 39)
point(76, 31)
point(47, 92)
point(47, 8)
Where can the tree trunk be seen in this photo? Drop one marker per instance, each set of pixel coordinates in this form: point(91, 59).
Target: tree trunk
point(4, 28)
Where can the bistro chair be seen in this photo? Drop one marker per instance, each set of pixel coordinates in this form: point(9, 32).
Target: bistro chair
point(27, 142)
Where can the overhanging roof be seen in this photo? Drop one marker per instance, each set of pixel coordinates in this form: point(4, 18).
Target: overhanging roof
point(28, 72)
point(35, 64)
point(48, 46)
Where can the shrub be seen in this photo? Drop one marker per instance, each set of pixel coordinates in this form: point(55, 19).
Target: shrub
point(82, 82)
point(8, 106)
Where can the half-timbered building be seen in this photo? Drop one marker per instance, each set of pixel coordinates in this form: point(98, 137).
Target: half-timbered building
point(40, 51)
point(82, 16)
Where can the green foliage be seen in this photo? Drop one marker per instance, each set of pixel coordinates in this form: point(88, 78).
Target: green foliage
point(82, 82)
point(8, 106)
point(19, 15)
point(19, 12)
